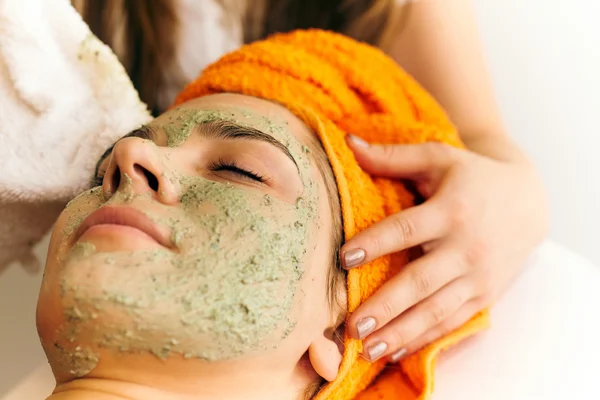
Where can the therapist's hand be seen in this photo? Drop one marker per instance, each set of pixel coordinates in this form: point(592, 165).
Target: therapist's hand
point(481, 219)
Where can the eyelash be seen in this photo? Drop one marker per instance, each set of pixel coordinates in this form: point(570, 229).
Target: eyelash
point(97, 180)
point(232, 166)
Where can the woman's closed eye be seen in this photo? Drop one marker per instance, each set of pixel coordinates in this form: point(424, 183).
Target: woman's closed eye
point(233, 167)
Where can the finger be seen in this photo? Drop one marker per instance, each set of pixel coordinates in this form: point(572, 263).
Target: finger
point(409, 228)
point(420, 319)
point(402, 160)
point(416, 282)
point(460, 317)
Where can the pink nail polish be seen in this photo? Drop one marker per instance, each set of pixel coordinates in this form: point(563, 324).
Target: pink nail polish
point(397, 356)
point(365, 326)
point(354, 257)
point(377, 350)
point(358, 141)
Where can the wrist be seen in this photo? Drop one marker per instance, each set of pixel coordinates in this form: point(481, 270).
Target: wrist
point(497, 146)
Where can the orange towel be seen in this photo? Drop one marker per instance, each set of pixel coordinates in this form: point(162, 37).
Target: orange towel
point(337, 85)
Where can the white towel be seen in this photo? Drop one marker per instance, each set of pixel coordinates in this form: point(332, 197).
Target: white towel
point(64, 99)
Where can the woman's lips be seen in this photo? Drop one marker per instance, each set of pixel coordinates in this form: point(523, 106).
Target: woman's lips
point(124, 220)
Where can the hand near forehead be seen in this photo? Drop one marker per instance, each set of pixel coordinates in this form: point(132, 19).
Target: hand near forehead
point(481, 219)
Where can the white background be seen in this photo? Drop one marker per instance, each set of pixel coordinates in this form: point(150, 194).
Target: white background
point(545, 59)
point(544, 56)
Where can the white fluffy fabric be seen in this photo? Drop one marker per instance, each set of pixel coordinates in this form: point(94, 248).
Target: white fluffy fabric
point(64, 99)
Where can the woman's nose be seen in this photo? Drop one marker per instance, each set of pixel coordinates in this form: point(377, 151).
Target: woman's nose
point(138, 165)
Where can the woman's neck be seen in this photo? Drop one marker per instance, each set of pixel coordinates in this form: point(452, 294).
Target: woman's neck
point(104, 389)
point(235, 383)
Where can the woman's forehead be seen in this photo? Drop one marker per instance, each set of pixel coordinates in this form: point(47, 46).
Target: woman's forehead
point(266, 116)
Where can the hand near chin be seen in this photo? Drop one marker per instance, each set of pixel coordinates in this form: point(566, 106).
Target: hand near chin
point(480, 220)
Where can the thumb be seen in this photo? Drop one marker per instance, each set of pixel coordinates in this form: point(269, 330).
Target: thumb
point(401, 160)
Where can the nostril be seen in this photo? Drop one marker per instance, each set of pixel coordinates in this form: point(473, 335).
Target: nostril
point(150, 177)
point(152, 180)
point(116, 179)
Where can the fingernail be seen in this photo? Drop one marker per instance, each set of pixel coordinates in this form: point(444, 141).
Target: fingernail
point(365, 326)
point(376, 350)
point(353, 257)
point(397, 356)
point(358, 141)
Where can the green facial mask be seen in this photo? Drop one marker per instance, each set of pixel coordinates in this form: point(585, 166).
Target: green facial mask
point(227, 293)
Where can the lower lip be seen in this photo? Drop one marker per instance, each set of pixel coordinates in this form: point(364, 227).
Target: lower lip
point(117, 230)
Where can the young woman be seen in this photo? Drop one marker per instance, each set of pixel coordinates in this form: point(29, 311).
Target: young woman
point(197, 263)
point(473, 250)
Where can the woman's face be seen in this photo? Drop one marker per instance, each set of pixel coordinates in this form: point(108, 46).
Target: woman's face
point(209, 239)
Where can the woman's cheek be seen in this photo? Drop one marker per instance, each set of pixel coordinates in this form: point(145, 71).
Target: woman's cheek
point(49, 312)
point(49, 309)
point(78, 209)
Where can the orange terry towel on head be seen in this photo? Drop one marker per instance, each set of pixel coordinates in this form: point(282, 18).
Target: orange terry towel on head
point(337, 85)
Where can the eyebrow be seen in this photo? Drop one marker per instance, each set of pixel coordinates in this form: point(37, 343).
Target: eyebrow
point(229, 130)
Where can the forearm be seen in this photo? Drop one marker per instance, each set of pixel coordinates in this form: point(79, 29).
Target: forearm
point(437, 42)
point(494, 143)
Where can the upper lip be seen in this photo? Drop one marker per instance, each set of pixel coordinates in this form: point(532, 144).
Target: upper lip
point(126, 216)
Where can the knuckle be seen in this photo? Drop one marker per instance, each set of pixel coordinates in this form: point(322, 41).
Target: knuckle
point(396, 337)
point(477, 255)
point(460, 213)
point(375, 246)
point(405, 230)
point(445, 327)
point(460, 298)
point(422, 284)
point(389, 311)
point(438, 313)
point(388, 153)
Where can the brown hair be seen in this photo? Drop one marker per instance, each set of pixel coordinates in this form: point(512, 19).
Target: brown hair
point(363, 20)
point(336, 275)
point(143, 33)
